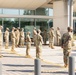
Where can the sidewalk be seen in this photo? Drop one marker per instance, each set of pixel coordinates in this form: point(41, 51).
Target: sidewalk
point(17, 64)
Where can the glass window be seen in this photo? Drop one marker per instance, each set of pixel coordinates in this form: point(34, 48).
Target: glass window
point(27, 24)
point(50, 12)
point(42, 11)
point(26, 12)
point(0, 11)
point(10, 22)
point(0, 21)
point(11, 11)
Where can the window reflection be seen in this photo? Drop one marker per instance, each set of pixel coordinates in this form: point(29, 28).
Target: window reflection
point(27, 24)
point(11, 11)
point(42, 11)
point(26, 12)
point(10, 22)
point(42, 24)
point(0, 11)
point(50, 12)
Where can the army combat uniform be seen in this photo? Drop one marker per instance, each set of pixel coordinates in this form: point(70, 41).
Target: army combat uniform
point(6, 36)
point(28, 44)
point(66, 43)
point(13, 37)
point(22, 36)
point(39, 41)
point(58, 35)
point(34, 36)
point(17, 34)
point(1, 40)
point(51, 38)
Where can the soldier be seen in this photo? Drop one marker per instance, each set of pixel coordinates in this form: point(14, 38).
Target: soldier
point(17, 34)
point(51, 38)
point(6, 36)
point(39, 41)
point(13, 37)
point(58, 36)
point(66, 44)
point(45, 36)
point(22, 36)
point(34, 35)
point(28, 44)
point(1, 39)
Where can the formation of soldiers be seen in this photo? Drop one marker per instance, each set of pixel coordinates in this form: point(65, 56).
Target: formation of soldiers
point(18, 40)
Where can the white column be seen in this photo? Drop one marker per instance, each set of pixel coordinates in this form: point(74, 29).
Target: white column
point(60, 11)
point(63, 14)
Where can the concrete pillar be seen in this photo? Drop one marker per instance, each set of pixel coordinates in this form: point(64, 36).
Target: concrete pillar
point(63, 13)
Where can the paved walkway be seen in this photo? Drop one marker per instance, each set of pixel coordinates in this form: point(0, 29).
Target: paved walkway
point(17, 64)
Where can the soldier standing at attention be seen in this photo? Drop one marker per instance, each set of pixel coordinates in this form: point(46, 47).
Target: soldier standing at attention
point(22, 36)
point(66, 44)
point(51, 38)
point(39, 41)
point(58, 36)
point(17, 34)
point(45, 36)
point(6, 36)
point(13, 37)
point(34, 35)
point(1, 39)
point(28, 45)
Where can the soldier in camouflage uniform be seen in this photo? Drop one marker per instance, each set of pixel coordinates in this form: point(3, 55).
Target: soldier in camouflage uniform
point(51, 38)
point(6, 36)
point(39, 41)
point(22, 36)
point(13, 37)
point(17, 34)
point(28, 45)
point(58, 35)
point(34, 35)
point(45, 36)
point(66, 44)
point(1, 39)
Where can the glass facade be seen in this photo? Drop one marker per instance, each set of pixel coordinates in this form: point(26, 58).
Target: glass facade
point(74, 22)
point(27, 23)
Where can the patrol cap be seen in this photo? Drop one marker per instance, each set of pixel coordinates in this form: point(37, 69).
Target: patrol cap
point(7, 28)
point(28, 32)
point(13, 27)
point(69, 28)
point(38, 31)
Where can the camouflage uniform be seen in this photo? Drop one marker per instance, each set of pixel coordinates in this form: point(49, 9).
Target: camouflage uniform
point(28, 44)
point(6, 35)
point(66, 43)
point(22, 36)
point(13, 37)
point(1, 40)
point(39, 41)
point(45, 36)
point(17, 34)
point(58, 36)
point(51, 38)
point(34, 36)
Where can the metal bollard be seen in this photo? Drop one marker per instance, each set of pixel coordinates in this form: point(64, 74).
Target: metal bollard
point(37, 67)
point(71, 66)
point(0, 68)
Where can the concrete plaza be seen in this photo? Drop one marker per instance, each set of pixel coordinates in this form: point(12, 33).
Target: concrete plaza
point(18, 64)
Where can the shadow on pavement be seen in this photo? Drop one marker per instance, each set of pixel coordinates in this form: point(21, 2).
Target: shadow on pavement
point(21, 70)
point(16, 65)
point(14, 56)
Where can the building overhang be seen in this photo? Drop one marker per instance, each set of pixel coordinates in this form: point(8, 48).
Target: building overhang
point(22, 4)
